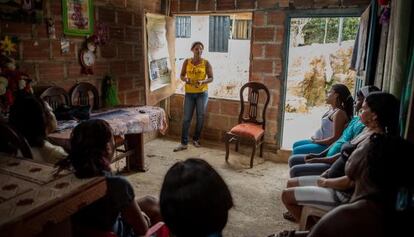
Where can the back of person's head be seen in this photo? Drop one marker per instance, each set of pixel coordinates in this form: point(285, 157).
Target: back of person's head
point(91, 149)
point(387, 109)
point(389, 168)
point(344, 99)
point(364, 91)
point(194, 199)
point(28, 116)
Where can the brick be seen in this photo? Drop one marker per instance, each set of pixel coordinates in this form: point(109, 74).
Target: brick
point(280, 34)
point(273, 51)
point(124, 18)
point(187, 5)
point(283, 3)
point(138, 19)
point(119, 3)
point(259, 18)
point(15, 28)
point(56, 8)
point(206, 5)
point(133, 66)
point(263, 34)
point(134, 34)
point(219, 121)
point(271, 113)
point(257, 50)
point(225, 5)
point(137, 52)
point(73, 70)
point(106, 15)
point(303, 4)
point(108, 51)
point(118, 68)
point(124, 51)
point(211, 134)
point(153, 6)
point(272, 82)
point(278, 66)
point(262, 66)
point(41, 51)
point(213, 106)
point(326, 3)
point(125, 83)
point(28, 68)
point(276, 18)
point(134, 4)
point(245, 4)
point(116, 33)
point(51, 72)
point(133, 98)
point(100, 69)
point(256, 77)
point(231, 108)
point(266, 3)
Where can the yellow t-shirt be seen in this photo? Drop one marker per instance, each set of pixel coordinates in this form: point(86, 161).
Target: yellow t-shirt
point(196, 73)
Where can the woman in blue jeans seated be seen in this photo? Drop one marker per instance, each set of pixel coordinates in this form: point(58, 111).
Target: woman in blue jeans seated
point(195, 200)
point(92, 148)
point(315, 164)
point(380, 114)
point(196, 73)
point(332, 124)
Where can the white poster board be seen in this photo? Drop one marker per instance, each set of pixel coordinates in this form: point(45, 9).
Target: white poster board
point(159, 66)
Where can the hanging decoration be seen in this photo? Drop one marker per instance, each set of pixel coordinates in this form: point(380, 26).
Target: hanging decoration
point(109, 91)
point(51, 30)
point(87, 56)
point(101, 33)
point(17, 81)
point(8, 45)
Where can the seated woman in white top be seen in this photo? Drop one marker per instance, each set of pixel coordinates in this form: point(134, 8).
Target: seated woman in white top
point(34, 119)
point(333, 122)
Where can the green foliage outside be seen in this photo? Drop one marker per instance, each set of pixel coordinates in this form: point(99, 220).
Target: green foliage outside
point(314, 30)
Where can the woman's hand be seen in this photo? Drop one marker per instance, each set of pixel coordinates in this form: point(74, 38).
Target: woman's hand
point(322, 182)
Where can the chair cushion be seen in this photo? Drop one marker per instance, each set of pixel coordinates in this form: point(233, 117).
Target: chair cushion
point(250, 130)
point(119, 141)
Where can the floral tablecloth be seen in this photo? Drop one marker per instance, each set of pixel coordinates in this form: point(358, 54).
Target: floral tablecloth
point(128, 120)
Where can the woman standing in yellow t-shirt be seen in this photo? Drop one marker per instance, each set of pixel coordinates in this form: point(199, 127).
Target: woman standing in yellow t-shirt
point(196, 73)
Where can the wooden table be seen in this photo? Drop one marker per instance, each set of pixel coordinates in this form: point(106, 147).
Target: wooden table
point(33, 201)
point(130, 122)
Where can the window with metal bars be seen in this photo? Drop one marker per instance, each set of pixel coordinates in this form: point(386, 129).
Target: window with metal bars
point(183, 26)
point(219, 33)
point(241, 29)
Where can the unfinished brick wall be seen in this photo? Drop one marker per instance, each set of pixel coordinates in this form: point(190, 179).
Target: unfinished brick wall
point(267, 59)
point(122, 57)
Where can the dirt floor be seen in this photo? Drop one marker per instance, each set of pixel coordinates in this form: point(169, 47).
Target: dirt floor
point(256, 192)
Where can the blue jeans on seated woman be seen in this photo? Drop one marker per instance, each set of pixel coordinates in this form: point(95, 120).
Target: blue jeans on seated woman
point(298, 167)
point(199, 102)
point(307, 147)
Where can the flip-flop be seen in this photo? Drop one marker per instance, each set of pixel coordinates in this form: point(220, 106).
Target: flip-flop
point(288, 216)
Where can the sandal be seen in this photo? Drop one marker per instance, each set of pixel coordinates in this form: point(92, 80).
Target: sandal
point(288, 216)
point(180, 147)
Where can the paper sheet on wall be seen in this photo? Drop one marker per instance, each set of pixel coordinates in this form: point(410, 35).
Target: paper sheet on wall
point(158, 56)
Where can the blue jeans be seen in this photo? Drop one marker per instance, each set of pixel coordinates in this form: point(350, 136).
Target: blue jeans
point(306, 147)
point(298, 167)
point(199, 102)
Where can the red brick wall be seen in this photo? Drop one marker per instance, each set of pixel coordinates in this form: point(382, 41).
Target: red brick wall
point(266, 64)
point(121, 57)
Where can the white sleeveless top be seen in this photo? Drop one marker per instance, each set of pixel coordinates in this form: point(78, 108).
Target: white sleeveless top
point(326, 129)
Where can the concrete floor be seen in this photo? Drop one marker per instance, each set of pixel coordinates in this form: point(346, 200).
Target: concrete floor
point(256, 192)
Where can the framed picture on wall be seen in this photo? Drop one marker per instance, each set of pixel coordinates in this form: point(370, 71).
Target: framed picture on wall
point(77, 17)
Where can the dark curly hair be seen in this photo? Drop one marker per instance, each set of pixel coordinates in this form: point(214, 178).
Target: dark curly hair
point(194, 199)
point(389, 168)
point(387, 109)
point(88, 153)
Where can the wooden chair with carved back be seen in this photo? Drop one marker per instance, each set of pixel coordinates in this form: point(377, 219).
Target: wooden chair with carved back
point(252, 122)
point(11, 141)
point(84, 93)
point(55, 96)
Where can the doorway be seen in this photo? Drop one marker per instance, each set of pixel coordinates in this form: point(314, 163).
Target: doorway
point(319, 55)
